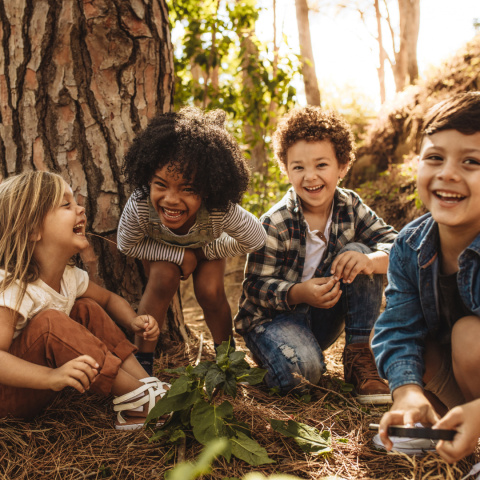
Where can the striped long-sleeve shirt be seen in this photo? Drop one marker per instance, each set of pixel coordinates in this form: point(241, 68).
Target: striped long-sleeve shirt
point(244, 234)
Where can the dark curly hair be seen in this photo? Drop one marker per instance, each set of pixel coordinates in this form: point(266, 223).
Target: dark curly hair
point(314, 124)
point(195, 144)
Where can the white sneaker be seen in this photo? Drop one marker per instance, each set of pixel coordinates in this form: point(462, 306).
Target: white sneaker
point(408, 445)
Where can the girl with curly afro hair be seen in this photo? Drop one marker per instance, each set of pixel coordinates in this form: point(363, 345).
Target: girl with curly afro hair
point(183, 217)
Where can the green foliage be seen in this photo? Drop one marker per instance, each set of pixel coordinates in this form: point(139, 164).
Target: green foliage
point(308, 438)
point(267, 190)
point(219, 63)
point(217, 447)
point(191, 399)
point(189, 471)
point(344, 387)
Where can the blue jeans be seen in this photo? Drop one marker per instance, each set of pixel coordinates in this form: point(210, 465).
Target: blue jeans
point(293, 342)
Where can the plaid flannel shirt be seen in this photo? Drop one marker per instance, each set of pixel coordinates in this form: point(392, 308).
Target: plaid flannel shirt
point(274, 269)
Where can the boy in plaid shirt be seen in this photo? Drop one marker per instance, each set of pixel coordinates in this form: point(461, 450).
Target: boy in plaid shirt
point(322, 267)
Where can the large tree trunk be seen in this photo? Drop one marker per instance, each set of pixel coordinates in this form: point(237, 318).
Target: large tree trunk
point(312, 91)
point(78, 80)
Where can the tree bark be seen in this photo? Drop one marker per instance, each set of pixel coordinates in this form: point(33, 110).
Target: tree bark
point(78, 80)
point(312, 91)
point(405, 68)
point(381, 54)
point(412, 31)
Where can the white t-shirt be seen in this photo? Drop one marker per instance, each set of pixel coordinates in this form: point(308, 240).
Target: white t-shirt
point(39, 296)
point(315, 247)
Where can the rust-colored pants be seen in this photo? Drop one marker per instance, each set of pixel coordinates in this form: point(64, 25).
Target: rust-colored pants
point(52, 339)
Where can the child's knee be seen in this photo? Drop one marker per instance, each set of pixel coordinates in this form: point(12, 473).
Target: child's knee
point(210, 295)
point(465, 352)
point(164, 275)
point(355, 247)
point(294, 365)
point(86, 305)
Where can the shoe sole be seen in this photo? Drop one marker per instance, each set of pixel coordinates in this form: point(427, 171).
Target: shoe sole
point(380, 399)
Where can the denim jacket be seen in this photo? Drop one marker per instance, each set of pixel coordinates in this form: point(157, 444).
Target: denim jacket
point(412, 309)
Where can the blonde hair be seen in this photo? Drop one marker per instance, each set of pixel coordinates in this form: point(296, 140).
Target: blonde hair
point(25, 200)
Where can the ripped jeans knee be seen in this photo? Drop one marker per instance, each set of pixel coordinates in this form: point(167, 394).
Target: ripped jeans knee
point(288, 350)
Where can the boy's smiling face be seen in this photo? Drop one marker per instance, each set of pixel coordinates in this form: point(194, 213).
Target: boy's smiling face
point(313, 171)
point(448, 178)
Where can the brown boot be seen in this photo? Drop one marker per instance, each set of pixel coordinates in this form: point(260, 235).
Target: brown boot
point(360, 370)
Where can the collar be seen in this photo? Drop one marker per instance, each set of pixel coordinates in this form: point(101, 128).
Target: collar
point(424, 239)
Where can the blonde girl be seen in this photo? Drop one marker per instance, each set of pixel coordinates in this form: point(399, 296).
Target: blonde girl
point(56, 327)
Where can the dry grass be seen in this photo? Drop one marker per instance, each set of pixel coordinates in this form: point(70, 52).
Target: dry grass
point(75, 439)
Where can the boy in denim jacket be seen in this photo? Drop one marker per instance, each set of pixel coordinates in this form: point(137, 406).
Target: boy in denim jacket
point(320, 271)
point(426, 342)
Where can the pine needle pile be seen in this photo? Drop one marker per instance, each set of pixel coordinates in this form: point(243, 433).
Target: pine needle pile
point(75, 439)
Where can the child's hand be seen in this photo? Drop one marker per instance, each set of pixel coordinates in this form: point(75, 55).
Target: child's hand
point(349, 264)
point(78, 373)
point(466, 420)
point(189, 263)
point(145, 326)
point(321, 292)
point(410, 406)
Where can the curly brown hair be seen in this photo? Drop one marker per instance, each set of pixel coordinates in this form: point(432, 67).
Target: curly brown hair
point(195, 144)
point(314, 124)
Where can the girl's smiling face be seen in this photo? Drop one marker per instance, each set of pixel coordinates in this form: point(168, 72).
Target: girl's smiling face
point(448, 178)
point(64, 227)
point(313, 171)
point(174, 200)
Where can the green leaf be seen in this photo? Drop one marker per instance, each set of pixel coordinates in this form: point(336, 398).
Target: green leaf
point(222, 360)
point(239, 368)
point(230, 386)
point(176, 436)
point(308, 438)
point(234, 426)
point(190, 471)
point(342, 440)
point(274, 391)
point(202, 368)
point(304, 398)
point(215, 376)
point(178, 370)
point(225, 349)
point(236, 357)
point(176, 403)
point(249, 450)
point(207, 420)
point(253, 376)
point(157, 436)
point(182, 385)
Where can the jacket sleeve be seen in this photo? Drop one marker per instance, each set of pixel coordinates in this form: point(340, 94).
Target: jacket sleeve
point(243, 233)
point(264, 284)
point(133, 241)
point(399, 334)
point(371, 230)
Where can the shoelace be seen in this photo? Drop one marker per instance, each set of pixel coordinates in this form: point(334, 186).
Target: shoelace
point(365, 365)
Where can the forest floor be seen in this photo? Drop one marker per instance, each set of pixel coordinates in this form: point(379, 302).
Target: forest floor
point(74, 439)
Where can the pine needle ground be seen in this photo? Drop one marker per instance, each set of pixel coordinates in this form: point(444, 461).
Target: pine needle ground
point(75, 439)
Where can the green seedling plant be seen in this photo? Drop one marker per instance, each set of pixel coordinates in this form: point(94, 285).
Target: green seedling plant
point(192, 401)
